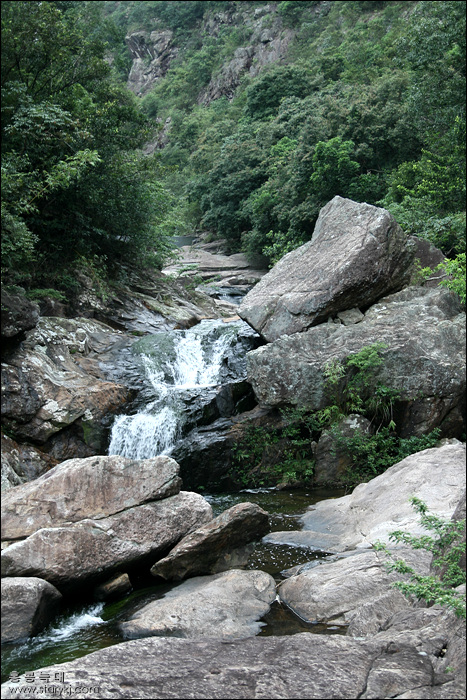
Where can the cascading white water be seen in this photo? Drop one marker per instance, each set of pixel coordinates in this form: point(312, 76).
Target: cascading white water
point(192, 362)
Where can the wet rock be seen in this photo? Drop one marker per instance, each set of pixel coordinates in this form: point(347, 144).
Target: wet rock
point(228, 605)
point(358, 254)
point(40, 396)
point(374, 509)
point(21, 463)
point(18, 314)
point(89, 551)
point(213, 547)
point(28, 605)
point(423, 361)
point(116, 587)
point(95, 487)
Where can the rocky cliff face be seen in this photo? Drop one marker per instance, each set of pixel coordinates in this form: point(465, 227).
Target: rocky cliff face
point(266, 41)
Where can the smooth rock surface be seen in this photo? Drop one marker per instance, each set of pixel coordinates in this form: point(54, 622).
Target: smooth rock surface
point(228, 605)
point(429, 644)
point(92, 550)
point(213, 547)
point(94, 487)
point(374, 509)
point(28, 605)
point(358, 253)
point(353, 590)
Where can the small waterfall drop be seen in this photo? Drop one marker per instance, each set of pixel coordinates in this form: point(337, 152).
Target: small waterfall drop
point(176, 366)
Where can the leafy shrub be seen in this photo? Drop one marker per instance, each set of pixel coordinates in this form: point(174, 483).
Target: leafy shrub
point(447, 546)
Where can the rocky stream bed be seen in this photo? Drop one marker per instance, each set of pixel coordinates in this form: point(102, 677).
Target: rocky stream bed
point(116, 578)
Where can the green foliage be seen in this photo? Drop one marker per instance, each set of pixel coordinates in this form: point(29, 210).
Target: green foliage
point(72, 186)
point(269, 456)
point(451, 272)
point(373, 454)
point(447, 546)
point(265, 94)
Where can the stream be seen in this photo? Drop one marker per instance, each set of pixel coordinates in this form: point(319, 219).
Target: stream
point(178, 374)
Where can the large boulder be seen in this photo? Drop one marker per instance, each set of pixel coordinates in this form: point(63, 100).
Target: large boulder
point(352, 590)
point(373, 510)
point(217, 545)
point(358, 254)
point(423, 331)
point(90, 551)
point(227, 605)
point(42, 395)
point(28, 605)
point(95, 487)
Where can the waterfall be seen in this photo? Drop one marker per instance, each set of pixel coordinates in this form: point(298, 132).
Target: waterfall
point(175, 365)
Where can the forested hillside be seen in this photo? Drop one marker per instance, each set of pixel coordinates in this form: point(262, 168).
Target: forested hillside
point(361, 99)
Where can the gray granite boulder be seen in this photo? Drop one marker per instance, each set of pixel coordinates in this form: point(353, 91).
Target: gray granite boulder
point(358, 253)
point(21, 463)
point(424, 359)
point(94, 487)
point(90, 551)
point(216, 546)
point(228, 605)
point(353, 590)
point(28, 605)
point(374, 509)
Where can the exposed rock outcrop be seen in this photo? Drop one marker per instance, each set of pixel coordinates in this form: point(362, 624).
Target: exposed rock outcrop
point(21, 463)
point(18, 314)
point(358, 254)
point(28, 605)
point(423, 331)
point(227, 605)
point(152, 54)
point(216, 546)
point(50, 382)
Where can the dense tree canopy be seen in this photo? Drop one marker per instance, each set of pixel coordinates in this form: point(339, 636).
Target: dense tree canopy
point(75, 187)
point(368, 103)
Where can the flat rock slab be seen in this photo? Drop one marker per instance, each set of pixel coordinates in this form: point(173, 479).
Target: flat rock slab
point(228, 605)
point(28, 605)
point(92, 550)
point(299, 666)
point(374, 509)
point(212, 548)
point(358, 254)
point(393, 664)
point(94, 487)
